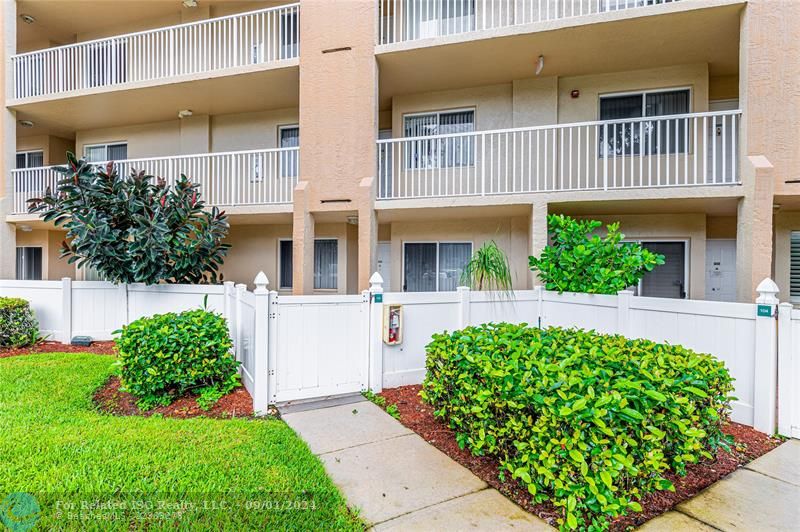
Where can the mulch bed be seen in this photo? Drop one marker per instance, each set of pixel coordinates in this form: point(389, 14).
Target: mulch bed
point(418, 417)
point(99, 348)
point(110, 399)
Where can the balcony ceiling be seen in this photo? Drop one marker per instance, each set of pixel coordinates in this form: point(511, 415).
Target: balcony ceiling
point(697, 35)
point(271, 88)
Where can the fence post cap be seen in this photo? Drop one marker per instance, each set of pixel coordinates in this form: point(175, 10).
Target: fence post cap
point(625, 293)
point(261, 280)
point(463, 289)
point(766, 292)
point(376, 283)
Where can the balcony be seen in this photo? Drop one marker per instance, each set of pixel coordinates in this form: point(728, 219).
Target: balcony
point(185, 51)
point(411, 20)
point(688, 150)
point(256, 177)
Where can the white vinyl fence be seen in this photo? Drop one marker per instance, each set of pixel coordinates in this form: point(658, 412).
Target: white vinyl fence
point(296, 348)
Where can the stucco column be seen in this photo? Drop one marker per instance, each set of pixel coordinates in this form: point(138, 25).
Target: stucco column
point(8, 140)
point(754, 227)
point(367, 233)
point(538, 235)
point(302, 242)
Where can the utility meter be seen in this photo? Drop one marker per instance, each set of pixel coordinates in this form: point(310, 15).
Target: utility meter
point(392, 322)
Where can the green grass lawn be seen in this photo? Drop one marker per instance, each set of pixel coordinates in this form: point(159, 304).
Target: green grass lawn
point(157, 472)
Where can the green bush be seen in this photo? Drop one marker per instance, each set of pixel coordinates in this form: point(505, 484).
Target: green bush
point(579, 260)
point(588, 421)
point(167, 355)
point(18, 325)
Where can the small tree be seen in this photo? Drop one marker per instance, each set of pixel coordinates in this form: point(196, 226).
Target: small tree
point(134, 229)
point(579, 260)
point(488, 269)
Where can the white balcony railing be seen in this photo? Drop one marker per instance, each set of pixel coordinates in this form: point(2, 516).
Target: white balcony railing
point(256, 177)
point(665, 151)
point(257, 37)
point(409, 20)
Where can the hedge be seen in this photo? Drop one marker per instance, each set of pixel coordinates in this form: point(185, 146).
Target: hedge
point(167, 355)
point(588, 421)
point(18, 324)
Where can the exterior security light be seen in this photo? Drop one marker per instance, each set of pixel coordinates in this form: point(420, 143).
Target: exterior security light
point(189, 3)
point(27, 19)
point(26, 123)
point(185, 113)
point(540, 65)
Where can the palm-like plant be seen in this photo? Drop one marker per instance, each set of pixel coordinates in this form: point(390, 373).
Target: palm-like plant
point(488, 269)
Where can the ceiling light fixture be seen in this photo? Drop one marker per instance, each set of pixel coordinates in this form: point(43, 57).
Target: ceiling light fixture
point(26, 123)
point(540, 65)
point(185, 113)
point(27, 19)
point(25, 228)
point(352, 220)
point(189, 3)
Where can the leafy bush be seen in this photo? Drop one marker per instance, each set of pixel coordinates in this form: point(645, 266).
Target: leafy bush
point(18, 325)
point(588, 421)
point(578, 260)
point(167, 355)
point(135, 229)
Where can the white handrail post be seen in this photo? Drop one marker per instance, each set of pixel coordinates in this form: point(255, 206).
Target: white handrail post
point(272, 346)
point(785, 385)
point(483, 164)
point(464, 301)
point(604, 147)
point(624, 312)
point(765, 380)
point(66, 310)
point(376, 333)
point(261, 359)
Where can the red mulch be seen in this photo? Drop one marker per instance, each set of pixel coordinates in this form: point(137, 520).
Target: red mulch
point(99, 348)
point(418, 417)
point(109, 398)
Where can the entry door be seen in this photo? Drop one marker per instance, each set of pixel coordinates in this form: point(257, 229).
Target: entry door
point(669, 279)
point(721, 270)
point(385, 264)
point(715, 164)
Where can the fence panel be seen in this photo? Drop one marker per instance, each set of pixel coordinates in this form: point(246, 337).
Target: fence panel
point(146, 300)
point(45, 299)
point(98, 309)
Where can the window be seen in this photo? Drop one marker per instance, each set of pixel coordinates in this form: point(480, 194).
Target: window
point(440, 152)
point(30, 159)
point(794, 266)
point(285, 264)
point(637, 137)
point(326, 264)
point(289, 137)
point(29, 263)
point(434, 266)
point(444, 17)
point(98, 153)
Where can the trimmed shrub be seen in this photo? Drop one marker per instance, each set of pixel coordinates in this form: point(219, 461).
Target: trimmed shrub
point(588, 421)
point(18, 324)
point(167, 355)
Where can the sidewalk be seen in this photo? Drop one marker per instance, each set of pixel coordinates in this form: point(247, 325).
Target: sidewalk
point(396, 479)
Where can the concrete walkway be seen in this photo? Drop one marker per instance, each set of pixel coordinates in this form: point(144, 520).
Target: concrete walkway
point(398, 481)
point(762, 496)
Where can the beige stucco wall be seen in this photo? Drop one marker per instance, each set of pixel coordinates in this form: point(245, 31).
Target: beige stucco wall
point(249, 131)
point(54, 148)
point(254, 248)
point(510, 234)
point(158, 139)
point(53, 267)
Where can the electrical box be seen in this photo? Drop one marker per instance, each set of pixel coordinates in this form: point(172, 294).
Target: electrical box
point(392, 324)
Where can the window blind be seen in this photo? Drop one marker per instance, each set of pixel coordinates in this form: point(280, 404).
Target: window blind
point(326, 264)
point(794, 265)
point(286, 264)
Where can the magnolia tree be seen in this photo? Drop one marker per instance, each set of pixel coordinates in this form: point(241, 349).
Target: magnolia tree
point(580, 260)
point(135, 229)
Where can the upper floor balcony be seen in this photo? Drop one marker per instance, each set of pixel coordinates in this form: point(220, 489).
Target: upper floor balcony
point(231, 179)
point(686, 150)
point(219, 46)
point(412, 20)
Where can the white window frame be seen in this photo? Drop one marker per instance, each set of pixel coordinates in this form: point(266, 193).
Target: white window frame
point(105, 145)
point(644, 93)
point(26, 153)
point(438, 243)
point(438, 164)
point(687, 243)
point(282, 157)
point(338, 257)
point(281, 286)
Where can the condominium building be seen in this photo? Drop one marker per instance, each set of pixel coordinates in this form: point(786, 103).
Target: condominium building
point(348, 136)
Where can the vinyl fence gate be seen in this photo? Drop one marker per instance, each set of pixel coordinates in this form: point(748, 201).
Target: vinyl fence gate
point(318, 346)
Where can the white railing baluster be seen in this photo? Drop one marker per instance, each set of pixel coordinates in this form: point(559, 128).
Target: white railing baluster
point(207, 45)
